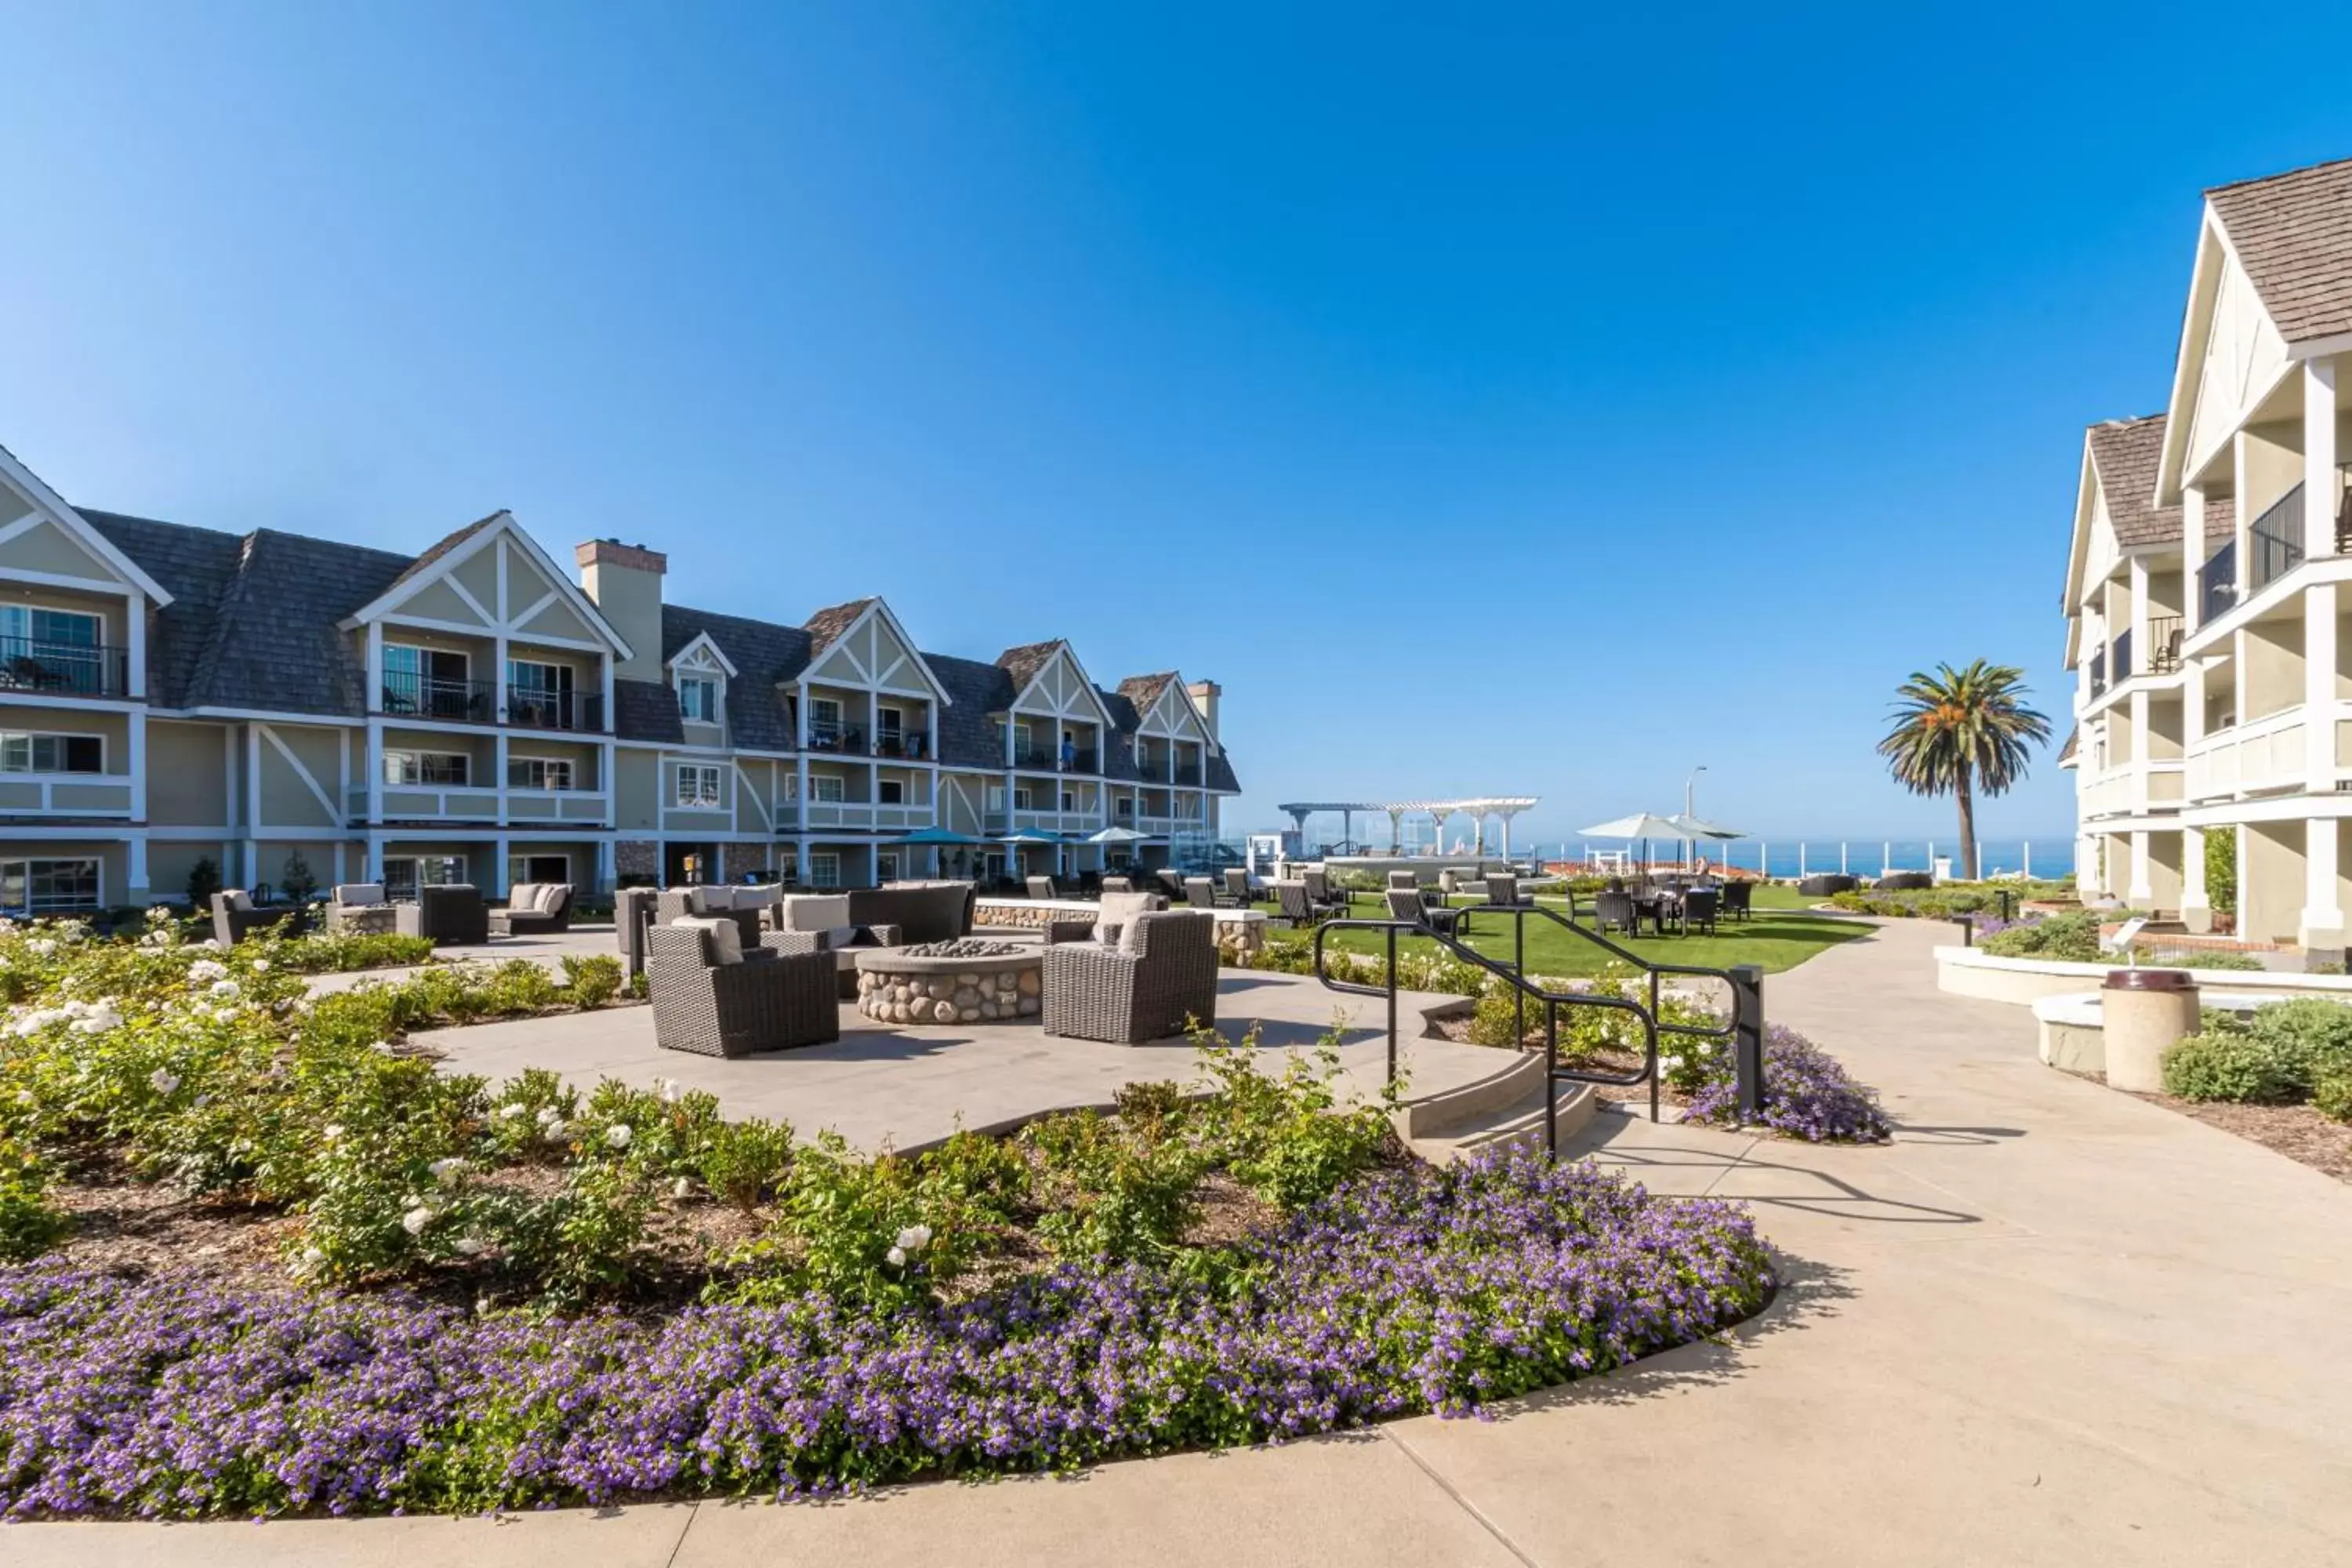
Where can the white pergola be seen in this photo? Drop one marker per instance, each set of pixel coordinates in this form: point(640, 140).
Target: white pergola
point(1479, 808)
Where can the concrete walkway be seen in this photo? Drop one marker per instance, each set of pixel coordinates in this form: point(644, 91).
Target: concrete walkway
point(2050, 1325)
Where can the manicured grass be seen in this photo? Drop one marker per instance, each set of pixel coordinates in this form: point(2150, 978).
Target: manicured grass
point(1783, 934)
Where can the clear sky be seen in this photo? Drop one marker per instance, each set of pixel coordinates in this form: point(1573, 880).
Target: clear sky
point(1510, 401)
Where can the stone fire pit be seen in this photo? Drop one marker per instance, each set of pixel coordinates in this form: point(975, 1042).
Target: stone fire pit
point(965, 982)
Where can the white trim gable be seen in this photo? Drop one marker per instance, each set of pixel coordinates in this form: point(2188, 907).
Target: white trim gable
point(1160, 720)
point(704, 657)
point(1066, 656)
point(860, 648)
point(48, 504)
point(501, 526)
point(2233, 358)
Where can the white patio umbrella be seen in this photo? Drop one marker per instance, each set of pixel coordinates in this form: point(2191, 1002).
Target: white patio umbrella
point(1641, 826)
point(1696, 828)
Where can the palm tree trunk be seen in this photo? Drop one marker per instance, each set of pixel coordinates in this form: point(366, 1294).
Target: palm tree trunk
point(1968, 827)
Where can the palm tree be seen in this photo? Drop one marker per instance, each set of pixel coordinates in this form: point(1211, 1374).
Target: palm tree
point(1959, 730)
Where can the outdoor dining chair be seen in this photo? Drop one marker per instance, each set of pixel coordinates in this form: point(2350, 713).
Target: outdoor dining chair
point(1736, 899)
point(1404, 905)
point(1615, 911)
point(1041, 887)
point(1698, 910)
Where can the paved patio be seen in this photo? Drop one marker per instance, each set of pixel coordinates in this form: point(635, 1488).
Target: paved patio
point(910, 1088)
point(2050, 1324)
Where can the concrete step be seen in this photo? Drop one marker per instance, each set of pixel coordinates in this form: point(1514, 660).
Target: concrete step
point(1516, 1122)
point(1516, 1075)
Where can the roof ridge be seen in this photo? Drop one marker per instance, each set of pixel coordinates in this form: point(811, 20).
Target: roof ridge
point(208, 659)
point(2279, 175)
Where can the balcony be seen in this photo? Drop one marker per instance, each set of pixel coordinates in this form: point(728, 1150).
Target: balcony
point(911, 744)
point(2267, 753)
point(840, 739)
point(2119, 656)
point(2098, 674)
point(2274, 543)
point(2217, 582)
point(425, 697)
point(532, 709)
point(63, 670)
point(2164, 634)
point(864, 814)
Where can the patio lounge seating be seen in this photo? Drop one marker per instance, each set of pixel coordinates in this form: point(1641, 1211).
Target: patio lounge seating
point(1172, 880)
point(235, 917)
point(1736, 899)
point(1200, 893)
point(359, 907)
point(533, 909)
point(1406, 905)
point(1503, 890)
point(1699, 908)
point(1904, 882)
point(675, 904)
point(1293, 907)
point(921, 911)
point(828, 920)
point(1824, 884)
point(716, 998)
point(1237, 887)
point(451, 914)
point(632, 913)
point(1159, 976)
point(1118, 884)
point(1322, 894)
point(1404, 879)
point(1041, 887)
point(1111, 917)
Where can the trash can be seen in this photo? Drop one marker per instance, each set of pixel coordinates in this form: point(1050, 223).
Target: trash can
point(2143, 1012)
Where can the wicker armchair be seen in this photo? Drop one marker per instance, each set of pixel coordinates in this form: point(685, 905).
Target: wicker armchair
point(452, 915)
point(359, 907)
point(1200, 893)
point(235, 918)
point(1323, 895)
point(1110, 918)
point(1615, 911)
point(1503, 888)
point(824, 919)
point(533, 909)
point(675, 904)
point(1159, 978)
point(1237, 887)
point(1738, 899)
point(762, 1000)
point(1294, 908)
point(1118, 884)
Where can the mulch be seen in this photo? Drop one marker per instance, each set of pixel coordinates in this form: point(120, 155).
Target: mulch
point(2297, 1131)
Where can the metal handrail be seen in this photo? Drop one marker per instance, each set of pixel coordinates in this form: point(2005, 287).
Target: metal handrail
point(2276, 540)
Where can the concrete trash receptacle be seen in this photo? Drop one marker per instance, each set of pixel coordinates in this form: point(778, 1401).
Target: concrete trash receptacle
point(2143, 1012)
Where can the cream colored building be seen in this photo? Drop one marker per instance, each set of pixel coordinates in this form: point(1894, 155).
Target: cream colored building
point(273, 702)
point(2205, 598)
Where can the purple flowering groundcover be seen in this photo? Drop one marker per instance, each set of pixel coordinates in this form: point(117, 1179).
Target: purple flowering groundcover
point(1407, 1290)
point(1807, 1094)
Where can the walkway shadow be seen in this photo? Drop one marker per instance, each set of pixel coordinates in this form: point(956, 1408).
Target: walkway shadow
point(1907, 1132)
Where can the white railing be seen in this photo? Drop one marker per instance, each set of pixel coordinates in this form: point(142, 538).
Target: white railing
point(1058, 821)
point(1153, 823)
point(38, 795)
point(2108, 794)
point(860, 813)
point(479, 803)
point(2265, 754)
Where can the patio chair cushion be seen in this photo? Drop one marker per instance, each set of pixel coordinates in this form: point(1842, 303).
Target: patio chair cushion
point(1118, 911)
point(239, 898)
point(722, 938)
point(360, 895)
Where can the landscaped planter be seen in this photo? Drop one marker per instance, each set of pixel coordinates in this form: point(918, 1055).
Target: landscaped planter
point(1972, 971)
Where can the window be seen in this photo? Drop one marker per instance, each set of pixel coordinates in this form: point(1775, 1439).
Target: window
point(51, 629)
point(824, 869)
point(793, 785)
point(539, 693)
point(886, 864)
point(1126, 805)
point(539, 772)
point(1070, 801)
point(825, 720)
point(697, 786)
point(404, 874)
point(893, 792)
point(22, 754)
point(996, 797)
point(538, 868)
point(891, 721)
point(826, 786)
point(1022, 799)
point(697, 699)
point(445, 768)
point(48, 887)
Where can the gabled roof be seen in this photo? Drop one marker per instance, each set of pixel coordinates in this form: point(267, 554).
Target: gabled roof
point(48, 501)
point(2066, 752)
point(825, 627)
point(968, 735)
point(1144, 690)
point(2124, 454)
point(441, 547)
point(449, 550)
point(704, 644)
point(2292, 233)
point(765, 655)
point(1022, 663)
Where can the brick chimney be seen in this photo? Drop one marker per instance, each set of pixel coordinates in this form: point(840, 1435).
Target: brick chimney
point(1204, 696)
point(626, 581)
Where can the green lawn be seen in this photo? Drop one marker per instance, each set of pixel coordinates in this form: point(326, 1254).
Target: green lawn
point(1783, 934)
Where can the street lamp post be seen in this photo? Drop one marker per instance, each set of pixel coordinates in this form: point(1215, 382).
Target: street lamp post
point(1690, 790)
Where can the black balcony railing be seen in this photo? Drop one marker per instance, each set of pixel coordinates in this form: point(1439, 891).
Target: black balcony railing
point(2163, 644)
point(2098, 673)
point(910, 743)
point(1035, 757)
point(2119, 663)
point(537, 710)
point(423, 697)
point(2217, 581)
point(64, 669)
point(2274, 543)
point(836, 738)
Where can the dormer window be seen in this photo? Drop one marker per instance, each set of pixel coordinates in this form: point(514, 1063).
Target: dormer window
point(697, 699)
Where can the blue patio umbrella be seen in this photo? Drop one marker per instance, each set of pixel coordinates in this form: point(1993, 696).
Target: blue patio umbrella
point(937, 835)
point(1030, 835)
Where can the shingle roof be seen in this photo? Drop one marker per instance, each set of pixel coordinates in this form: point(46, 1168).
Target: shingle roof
point(967, 737)
point(763, 654)
point(2124, 454)
point(1144, 690)
point(2066, 752)
point(828, 624)
point(2294, 233)
point(1023, 662)
point(441, 547)
point(646, 711)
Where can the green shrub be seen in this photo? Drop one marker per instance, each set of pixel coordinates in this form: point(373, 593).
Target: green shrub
point(29, 1224)
point(2332, 1097)
point(2228, 1064)
point(1496, 1021)
point(744, 1162)
point(2311, 1036)
point(1112, 1190)
point(2216, 958)
point(2069, 937)
point(593, 979)
point(2222, 869)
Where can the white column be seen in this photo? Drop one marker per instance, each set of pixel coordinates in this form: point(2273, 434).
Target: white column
point(375, 667)
point(2142, 891)
point(2196, 905)
point(498, 867)
point(136, 763)
point(2138, 622)
point(499, 762)
point(2319, 687)
point(2193, 550)
point(135, 645)
point(2323, 921)
point(2136, 791)
point(609, 717)
point(605, 877)
point(2318, 457)
point(138, 892)
point(2086, 865)
point(498, 654)
point(374, 772)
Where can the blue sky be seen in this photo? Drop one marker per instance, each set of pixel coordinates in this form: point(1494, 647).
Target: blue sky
point(1502, 403)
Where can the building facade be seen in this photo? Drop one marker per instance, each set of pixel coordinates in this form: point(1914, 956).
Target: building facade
point(280, 705)
point(2205, 599)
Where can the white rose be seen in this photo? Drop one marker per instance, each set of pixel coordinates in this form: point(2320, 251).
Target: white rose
point(618, 1135)
point(557, 1133)
point(668, 1092)
point(547, 1115)
point(205, 969)
point(446, 1171)
point(261, 966)
point(510, 1111)
point(162, 1080)
point(334, 1130)
point(915, 1237)
point(42, 947)
point(898, 1257)
point(681, 1188)
point(471, 1246)
point(415, 1221)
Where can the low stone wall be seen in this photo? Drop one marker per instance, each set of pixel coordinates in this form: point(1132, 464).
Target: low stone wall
point(1240, 933)
point(1971, 971)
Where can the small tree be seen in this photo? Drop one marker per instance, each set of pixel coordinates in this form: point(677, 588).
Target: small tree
point(300, 883)
point(1956, 731)
point(2222, 869)
point(204, 882)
